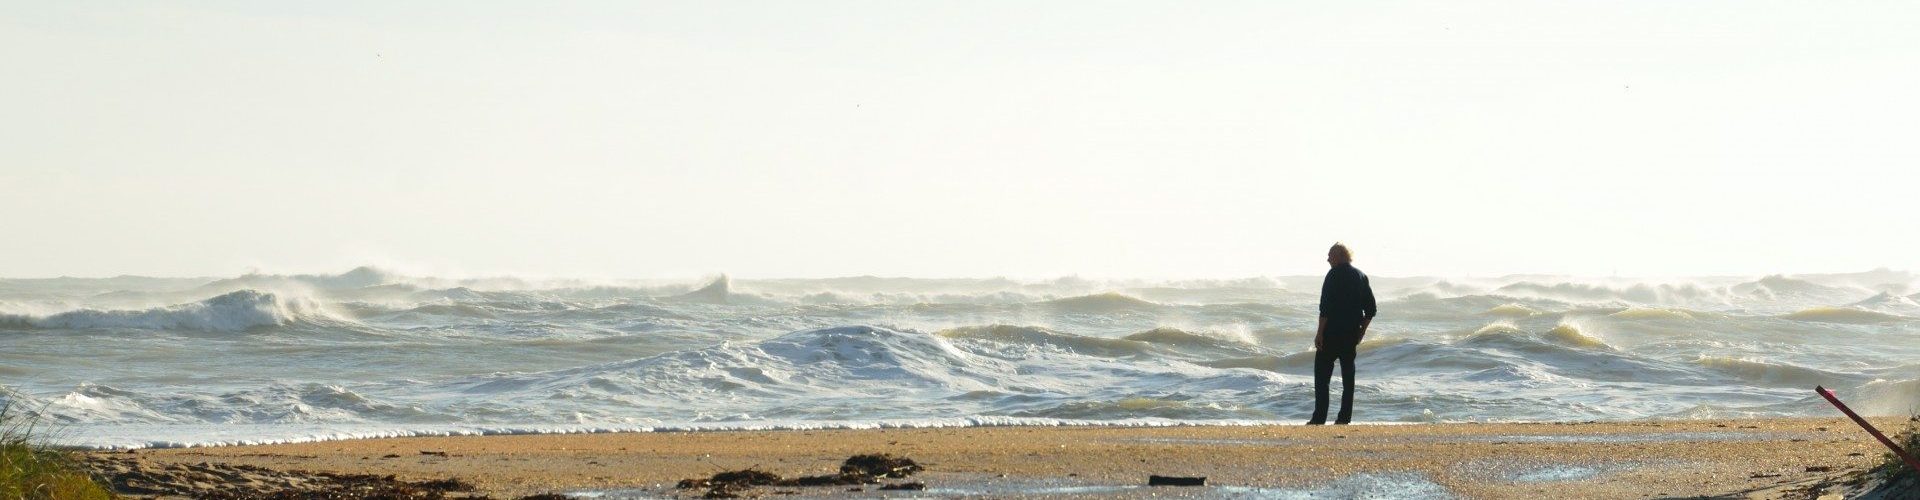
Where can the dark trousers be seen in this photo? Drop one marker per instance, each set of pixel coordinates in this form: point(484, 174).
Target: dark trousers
point(1333, 350)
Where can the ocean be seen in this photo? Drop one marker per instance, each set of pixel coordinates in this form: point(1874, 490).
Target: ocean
point(130, 362)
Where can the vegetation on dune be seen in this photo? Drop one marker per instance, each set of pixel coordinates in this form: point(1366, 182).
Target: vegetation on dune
point(1892, 468)
point(32, 470)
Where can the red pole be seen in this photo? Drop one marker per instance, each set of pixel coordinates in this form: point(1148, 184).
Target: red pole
point(1915, 464)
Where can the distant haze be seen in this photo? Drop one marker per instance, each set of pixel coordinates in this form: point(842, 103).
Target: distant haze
point(1020, 139)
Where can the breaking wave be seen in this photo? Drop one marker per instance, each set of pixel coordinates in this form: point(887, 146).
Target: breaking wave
point(1777, 374)
point(236, 311)
point(1652, 313)
point(1021, 335)
point(1511, 310)
point(1568, 334)
point(1561, 336)
point(1637, 293)
point(1843, 315)
point(1111, 302)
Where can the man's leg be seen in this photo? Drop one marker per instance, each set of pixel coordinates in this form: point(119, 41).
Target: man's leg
point(1322, 374)
point(1346, 384)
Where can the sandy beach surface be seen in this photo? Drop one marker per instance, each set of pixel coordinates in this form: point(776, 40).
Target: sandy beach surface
point(1732, 458)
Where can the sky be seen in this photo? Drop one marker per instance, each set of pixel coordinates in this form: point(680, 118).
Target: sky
point(958, 139)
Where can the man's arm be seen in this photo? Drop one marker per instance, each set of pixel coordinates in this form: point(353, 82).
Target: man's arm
point(1366, 305)
point(1326, 293)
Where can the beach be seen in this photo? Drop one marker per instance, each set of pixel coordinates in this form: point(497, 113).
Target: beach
point(1760, 458)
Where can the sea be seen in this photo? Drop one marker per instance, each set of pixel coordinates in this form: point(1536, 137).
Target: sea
point(134, 362)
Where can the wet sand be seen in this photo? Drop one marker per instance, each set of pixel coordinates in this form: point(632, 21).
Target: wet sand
point(1758, 458)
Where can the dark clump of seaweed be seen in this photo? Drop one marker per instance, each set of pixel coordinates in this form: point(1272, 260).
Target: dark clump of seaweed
point(881, 465)
point(729, 484)
point(856, 470)
point(133, 476)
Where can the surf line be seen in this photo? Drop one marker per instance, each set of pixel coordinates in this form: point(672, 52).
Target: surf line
point(1915, 464)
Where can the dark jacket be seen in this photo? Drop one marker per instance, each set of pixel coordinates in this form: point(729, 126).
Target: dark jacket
point(1346, 298)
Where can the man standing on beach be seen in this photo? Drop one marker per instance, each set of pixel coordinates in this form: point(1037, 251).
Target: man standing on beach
point(1346, 308)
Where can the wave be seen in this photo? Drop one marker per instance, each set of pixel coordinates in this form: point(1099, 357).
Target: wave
point(359, 277)
point(1144, 407)
point(1297, 362)
point(1879, 278)
point(717, 291)
point(1775, 284)
point(1110, 302)
point(1890, 303)
point(1843, 315)
point(456, 294)
point(720, 291)
point(1652, 313)
point(1094, 346)
point(868, 372)
point(454, 310)
point(1217, 294)
point(1501, 328)
point(1512, 310)
point(1886, 397)
point(1640, 293)
point(1776, 374)
point(866, 359)
point(1777, 288)
point(1197, 346)
point(235, 311)
point(272, 404)
point(1563, 335)
point(1177, 337)
point(1441, 288)
point(1568, 334)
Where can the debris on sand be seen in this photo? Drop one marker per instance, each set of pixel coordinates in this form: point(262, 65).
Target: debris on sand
point(729, 484)
point(882, 465)
point(1891, 479)
point(135, 476)
point(1176, 481)
point(855, 471)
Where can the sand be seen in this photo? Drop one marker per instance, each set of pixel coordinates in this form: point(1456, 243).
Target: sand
point(1740, 458)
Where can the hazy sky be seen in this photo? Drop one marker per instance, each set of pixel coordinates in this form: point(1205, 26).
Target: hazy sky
point(1024, 139)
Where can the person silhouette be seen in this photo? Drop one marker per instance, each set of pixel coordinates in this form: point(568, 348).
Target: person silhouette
point(1346, 309)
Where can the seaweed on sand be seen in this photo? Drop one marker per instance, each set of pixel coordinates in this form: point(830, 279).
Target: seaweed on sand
point(856, 470)
point(217, 481)
point(881, 465)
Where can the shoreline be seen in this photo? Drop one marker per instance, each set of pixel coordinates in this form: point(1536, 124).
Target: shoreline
point(773, 426)
point(1749, 457)
point(349, 433)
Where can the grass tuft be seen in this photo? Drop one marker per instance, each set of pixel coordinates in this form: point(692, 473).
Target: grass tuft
point(1894, 472)
point(30, 469)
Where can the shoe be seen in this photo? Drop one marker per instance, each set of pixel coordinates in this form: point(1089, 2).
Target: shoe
point(1316, 422)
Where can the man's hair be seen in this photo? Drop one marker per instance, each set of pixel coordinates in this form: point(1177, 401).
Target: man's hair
point(1342, 248)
